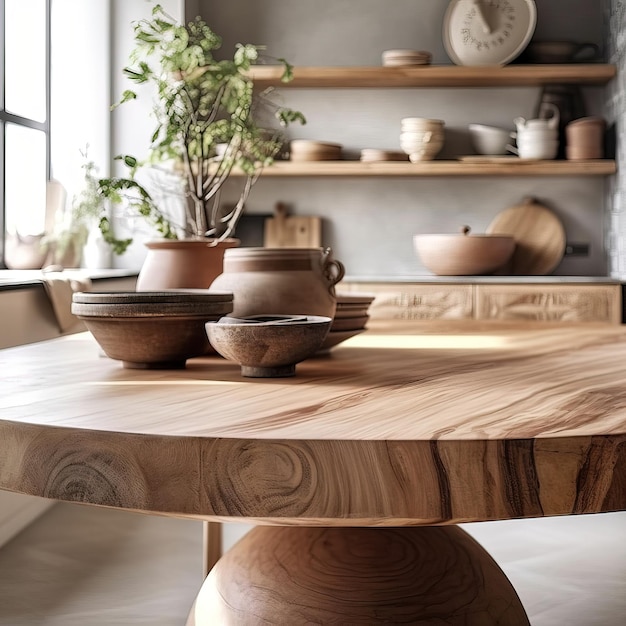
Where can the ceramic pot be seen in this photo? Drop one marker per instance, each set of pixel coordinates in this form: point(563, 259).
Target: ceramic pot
point(280, 281)
point(182, 264)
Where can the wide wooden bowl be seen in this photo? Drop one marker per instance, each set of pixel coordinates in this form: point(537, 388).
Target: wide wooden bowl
point(463, 254)
point(151, 329)
point(268, 346)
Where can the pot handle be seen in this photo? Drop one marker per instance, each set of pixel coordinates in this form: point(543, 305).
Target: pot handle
point(332, 269)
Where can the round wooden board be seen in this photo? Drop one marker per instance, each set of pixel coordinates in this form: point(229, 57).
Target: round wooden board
point(539, 237)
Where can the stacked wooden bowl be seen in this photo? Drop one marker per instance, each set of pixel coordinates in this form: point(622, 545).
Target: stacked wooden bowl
point(311, 150)
point(351, 317)
point(151, 329)
point(400, 58)
point(372, 155)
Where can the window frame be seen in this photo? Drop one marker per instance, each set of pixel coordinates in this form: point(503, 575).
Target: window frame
point(6, 117)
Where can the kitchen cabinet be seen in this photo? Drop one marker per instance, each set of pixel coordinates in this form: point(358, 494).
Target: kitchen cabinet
point(554, 303)
point(573, 300)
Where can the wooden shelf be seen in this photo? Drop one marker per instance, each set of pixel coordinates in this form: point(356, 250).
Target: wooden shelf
point(440, 168)
point(435, 76)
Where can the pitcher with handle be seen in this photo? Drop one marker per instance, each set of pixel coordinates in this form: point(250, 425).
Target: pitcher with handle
point(281, 281)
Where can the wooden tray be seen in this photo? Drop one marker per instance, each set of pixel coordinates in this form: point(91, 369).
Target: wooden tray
point(539, 237)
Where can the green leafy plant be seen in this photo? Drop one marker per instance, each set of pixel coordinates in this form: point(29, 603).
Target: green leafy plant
point(201, 102)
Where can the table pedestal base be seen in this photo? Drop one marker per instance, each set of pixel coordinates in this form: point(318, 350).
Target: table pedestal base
point(408, 575)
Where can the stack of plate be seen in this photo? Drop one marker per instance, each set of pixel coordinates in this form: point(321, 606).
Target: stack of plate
point(310, 150)
point(350, 319)
point(373, 154)
point(398, 58)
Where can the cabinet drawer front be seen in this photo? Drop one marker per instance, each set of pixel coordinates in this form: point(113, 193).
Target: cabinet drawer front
point(418, 302)
point(567, 303)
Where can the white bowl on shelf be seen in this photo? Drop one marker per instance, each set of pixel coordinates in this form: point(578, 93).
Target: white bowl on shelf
point(489, 140)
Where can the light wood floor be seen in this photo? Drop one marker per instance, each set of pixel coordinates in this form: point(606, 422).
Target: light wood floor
point(97, 567)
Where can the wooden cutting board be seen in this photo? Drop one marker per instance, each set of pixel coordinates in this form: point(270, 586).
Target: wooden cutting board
point(539, 237)
point(292, 231)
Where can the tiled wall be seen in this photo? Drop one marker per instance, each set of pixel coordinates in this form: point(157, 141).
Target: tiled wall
point(615, 211)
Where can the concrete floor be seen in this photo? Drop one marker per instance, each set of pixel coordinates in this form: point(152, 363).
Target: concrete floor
point(86, 566)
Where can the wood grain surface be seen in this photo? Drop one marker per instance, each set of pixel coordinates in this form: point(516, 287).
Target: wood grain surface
point(435, 75)
point(539, 237)
point(592, 167)
point(357, 576)
point(409, 423)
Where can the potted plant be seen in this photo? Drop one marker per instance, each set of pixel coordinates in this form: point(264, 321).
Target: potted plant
point(209, 120)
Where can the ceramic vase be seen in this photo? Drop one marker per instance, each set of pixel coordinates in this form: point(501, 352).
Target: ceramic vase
point(281, 281)
point(182, 263)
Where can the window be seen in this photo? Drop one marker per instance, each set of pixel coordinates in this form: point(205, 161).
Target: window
point(24, 116)
point(54, 104)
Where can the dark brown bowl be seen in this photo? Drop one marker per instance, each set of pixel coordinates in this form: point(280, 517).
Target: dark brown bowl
point(268, 346)
point(158, 330)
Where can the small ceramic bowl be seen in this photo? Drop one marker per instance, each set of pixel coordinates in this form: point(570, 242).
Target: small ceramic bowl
point(151, 330)
point(268, 346)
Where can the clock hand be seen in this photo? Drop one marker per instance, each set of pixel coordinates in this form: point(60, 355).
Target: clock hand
point(481, 17)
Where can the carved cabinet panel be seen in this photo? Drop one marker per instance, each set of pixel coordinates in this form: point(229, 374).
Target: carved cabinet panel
point(567, 303)
point(571, 302)
point(416, 301)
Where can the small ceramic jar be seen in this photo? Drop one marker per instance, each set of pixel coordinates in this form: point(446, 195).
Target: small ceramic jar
point(280, 281)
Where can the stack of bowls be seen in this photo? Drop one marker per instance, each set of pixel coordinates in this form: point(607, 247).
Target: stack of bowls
point(151, 329)
point(351, 317)
point(310, 150)
point(421, 138)
point(537, 139)
point(399, 58)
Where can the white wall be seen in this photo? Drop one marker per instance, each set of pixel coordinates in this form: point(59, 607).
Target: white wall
point(131, 124)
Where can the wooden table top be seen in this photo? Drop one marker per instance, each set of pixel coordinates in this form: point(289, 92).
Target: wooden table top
point(408, 423)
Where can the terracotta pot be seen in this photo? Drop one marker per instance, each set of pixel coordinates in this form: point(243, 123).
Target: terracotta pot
point(182, 264)
point(280, 281)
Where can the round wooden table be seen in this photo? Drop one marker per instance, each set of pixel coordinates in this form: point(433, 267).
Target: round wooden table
point(355, 471)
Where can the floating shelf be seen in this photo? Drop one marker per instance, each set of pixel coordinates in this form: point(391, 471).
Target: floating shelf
point(440, 168)
point(435, 76)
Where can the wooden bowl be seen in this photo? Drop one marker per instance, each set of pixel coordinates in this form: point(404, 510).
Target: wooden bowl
point(464, 254)
point(151, 330)
point(268, 346)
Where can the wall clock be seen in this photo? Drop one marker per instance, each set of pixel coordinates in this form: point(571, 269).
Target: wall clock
point(488, 32)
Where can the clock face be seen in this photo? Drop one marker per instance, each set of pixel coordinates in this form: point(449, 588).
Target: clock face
point(488, 32)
